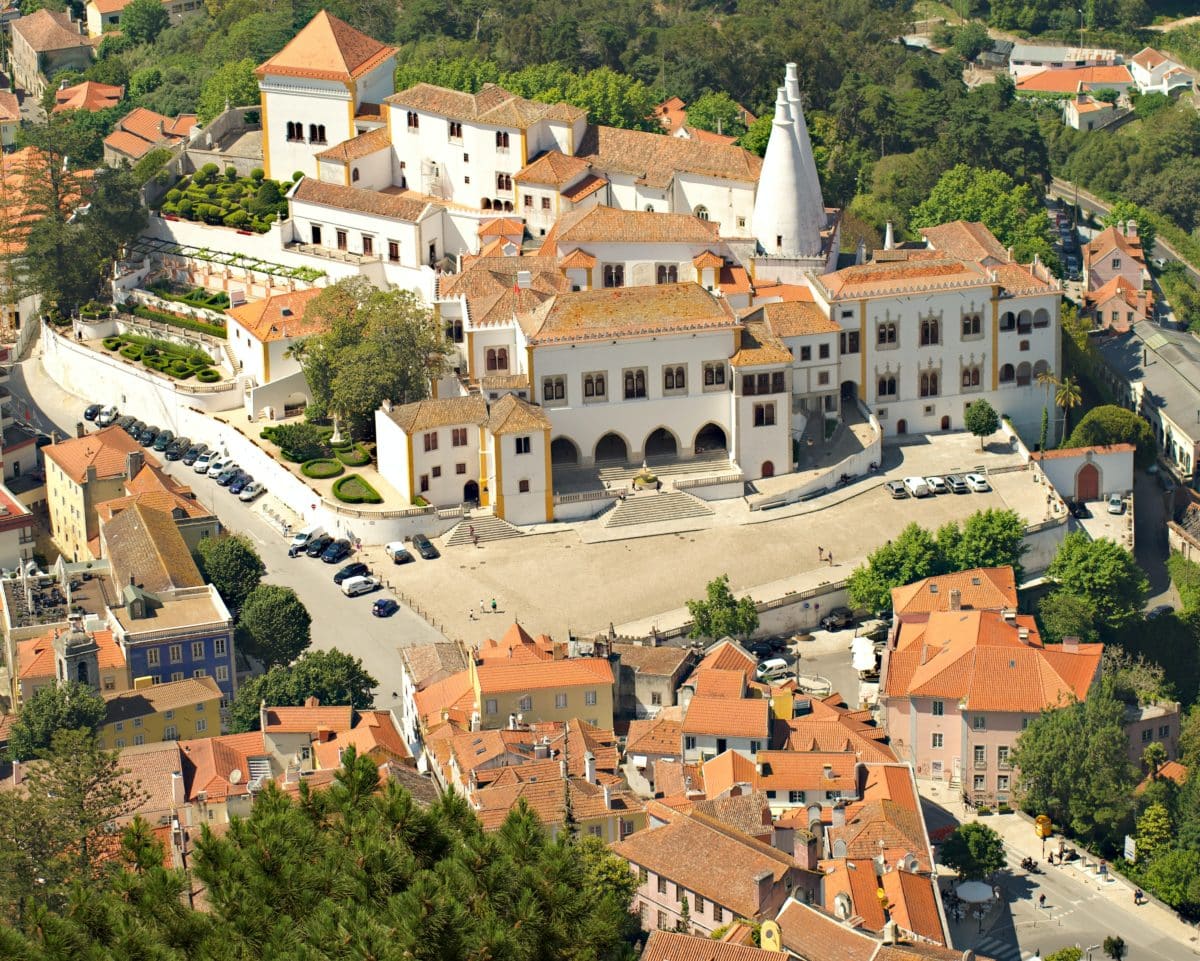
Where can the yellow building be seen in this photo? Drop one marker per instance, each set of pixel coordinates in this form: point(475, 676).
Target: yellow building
point(175, 711)
point(520, 677)
point(81, 473)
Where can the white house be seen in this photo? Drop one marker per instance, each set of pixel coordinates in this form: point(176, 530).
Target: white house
point(1155, 72)
point(1088, 473)
point(1027, 58)
point(261, 333)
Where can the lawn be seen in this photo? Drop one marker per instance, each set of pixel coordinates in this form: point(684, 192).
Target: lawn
point(247, 203)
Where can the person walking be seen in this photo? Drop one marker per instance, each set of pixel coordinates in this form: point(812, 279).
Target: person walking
point(482, 606)
point(1041, 900)
point(493, 605)
point(1137, 897)
point(820, 553)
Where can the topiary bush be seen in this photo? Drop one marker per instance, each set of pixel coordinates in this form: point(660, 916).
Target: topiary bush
point(111, 343)
point(131, 352)
point(352, 489)
point(208, 376)
point(322, 468)
point(354, 456)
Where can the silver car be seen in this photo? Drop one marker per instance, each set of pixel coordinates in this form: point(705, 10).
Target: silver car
point(936, 484)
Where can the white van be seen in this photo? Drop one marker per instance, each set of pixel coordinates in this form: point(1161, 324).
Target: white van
point(917, 486)
point(353, 586)
point(772, 667)
point(301, 538)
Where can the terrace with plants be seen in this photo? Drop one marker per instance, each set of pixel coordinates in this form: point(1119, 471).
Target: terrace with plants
point(176, 361)
point(210, 197)
point(318, 456)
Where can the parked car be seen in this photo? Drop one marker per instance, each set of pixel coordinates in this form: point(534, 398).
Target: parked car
point(401, 556)
point(772, 667)
point(897, 489)
point(251, 491)
point(767, 646)
point(217, 465)
point(164, 440)
point(107, 416)
point(339, 550)
point(384, 607)
point(837, 619)
point(227, 476)
point(148, 436)
point(1116, 504)
point(178, 447)
point(194, 453)
point(354, 586)
point(357, 569)
point(423, 547)
point(204, 461)
point(92, 411)
point(316, 547)
point(1159, 611)
point(956, 483)
point(937, 485)
point(239, 483)
point(1079, 509)
point(917, 487)
point(978, 483)
point(134, 428)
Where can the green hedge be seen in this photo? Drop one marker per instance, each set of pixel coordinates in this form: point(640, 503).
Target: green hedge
point(355, 456)
point(195, 356)
point(322, 469)
point(185, 323)
point(131, 352)
point(111, 343)
point(208, 376)
point(352, 489)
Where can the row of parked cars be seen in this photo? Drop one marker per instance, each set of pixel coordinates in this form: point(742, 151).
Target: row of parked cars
point(934, 484)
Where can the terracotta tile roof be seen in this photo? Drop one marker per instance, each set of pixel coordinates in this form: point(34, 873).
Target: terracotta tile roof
point(547, 798)
point(503, 678)
point(1068, 79)
point(981, 589)
point(1149, 58)
point(357, 147)
point(378, 203)
point(813, 935)
point(17, 214)
point(817, 771)
point(1170, 770)
point(553, 168)
point(978, 658)
point(864, 742)
point(647, 660)
point(374, 735)
point(721, 683)
point(279, 317)
point(1109, 239)
point(671, 114)
point(889, 277)
point(145, 545)
point(307, 719)
point(35, 657)
point(727, 655)
point(157, 698)
point(512, 415)
point(157, 491)
point(437, 412)
point(10, 109)
point(732, 279)
point(1021, 278)
point(105, 450)
point(45, 31)
point(1080, 105)
point(672, 946)
point(726, 770)
point(707, 136)
point(1118, 288)
point(216, 758)
point(706, 857)
point(127, 144)
point(516, 644)
point(792, 319)
point(582, 190)
point(856, 878)
point(759, 347)
point(493, 105)
point(502, 227)
point(625, 312)
point(490, 286)
point(966, 240)
point(610, 225)
point(151, 766)
point(707, 259)
point(653, 737)
point(577, 259)
point(327, 49)
point(429, 663)
point(728, 717)
point(655, 160)
point(140, 130)
point(504, 381)
point(1060, 453)
point(748, 813)
point(673, 778)
point(913, 904)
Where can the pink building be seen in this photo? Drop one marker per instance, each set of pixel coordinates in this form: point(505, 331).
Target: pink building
point(959, 688)
point(1115, 252)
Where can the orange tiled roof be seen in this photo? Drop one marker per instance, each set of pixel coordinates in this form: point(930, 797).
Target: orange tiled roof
point(357, 147)
point(158, 698)
point(279, 317)
point(981, 588)
point(308, 719)
point(728, 717)
point(676, 778)
point(672, 946)
point(966, 240)
point(216, 758)
point(106, 451)
point(10, 109)
point(809, 933)
point(378, 203)
point(1109, 239)
point(726, 770)
point(1080, 451)
point(46, 31)
point(158, 491)
point(656, 160)
point(582, 190)
point(327, 49)
point(707, 136)
point(439, 412)
point(796, 318)
point(577, 259)
point(512, 415)
point(729, 656)
point(501, 678)
point(493, 105)
point(490, 286)
point(35, 657)
point(1068, 79)
point(553, 168)
point(721, 683)
point(1170, 770)
point(453, 696)
point(1149, 58)
point(794, 771)
point(654, 736)
point(374, 736)
point(759, 347)
point(502, 227)
point(912, 899)
point(599, 224)
point(889, 277)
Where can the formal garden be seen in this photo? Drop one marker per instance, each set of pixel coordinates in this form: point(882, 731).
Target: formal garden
point(312, 447)
point(162, 356)
point(208, 196)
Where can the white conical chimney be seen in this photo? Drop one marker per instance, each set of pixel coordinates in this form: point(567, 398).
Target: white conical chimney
point(889, 237)
point(808, 164)
point(785, 223)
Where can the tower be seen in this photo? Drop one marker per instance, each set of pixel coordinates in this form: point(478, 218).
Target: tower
point(786, 221)
point(77, 655)
point(808, 164)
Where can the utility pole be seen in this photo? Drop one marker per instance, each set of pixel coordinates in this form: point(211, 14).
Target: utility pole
point(1080, 28)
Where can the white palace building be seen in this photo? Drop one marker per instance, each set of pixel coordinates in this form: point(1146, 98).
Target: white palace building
point(618, 296)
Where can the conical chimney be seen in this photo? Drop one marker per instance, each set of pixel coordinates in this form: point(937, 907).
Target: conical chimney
point(809, 182)
point(785, 221)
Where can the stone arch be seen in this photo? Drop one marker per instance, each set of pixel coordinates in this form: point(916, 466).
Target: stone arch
point(1041, 367)
point(711, 437)
point(1087, 483)
point(661, 442)
point(1041, 317)
point(768, 468)
point(612, 447)
point(1024, 374)
point(901, 426)
point(563, 451)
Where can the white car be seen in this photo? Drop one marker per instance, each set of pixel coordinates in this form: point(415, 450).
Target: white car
point(353, 586)
point(395, 549)
point(217, 465)
point(204, 462)
point(917, 486)
point(1116, 504)
point(251, 491)
point(106, 416)
point(977, 483)
point(937, 485)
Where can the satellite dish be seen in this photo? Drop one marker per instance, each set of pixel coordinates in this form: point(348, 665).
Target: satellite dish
point(235, 776)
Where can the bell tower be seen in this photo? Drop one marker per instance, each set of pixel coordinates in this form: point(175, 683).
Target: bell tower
point(77, 655)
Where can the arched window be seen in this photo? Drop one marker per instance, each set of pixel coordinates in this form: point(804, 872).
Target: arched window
point(1008, 320)
point(701, 213)
point(929, 384)
point(1008, 374)
point(1041, 317)
point(930, 331)
point(487, 204)
point(972, 325)
point(491, 358)
point(1024, 374)
point(354, 175)
point(667, 274)
point(503, 181)
point(887, 386)
point(312, 133)
point(508, 206)
point(640, 383)
point(454, 331)
point(81, 672)
point(502, 358)
point(975, 377)
point(502, 139)
point(629, 383)
point(886, 334)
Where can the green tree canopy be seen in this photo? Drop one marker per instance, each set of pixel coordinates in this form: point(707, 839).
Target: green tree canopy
point(1110, 424)
point(970, 40)
point(53, 708)
point(1155, 832)
point(717, 112)
point(990, 538)
point(982, 420)
point(299, 441)
point(720, 614)
point(330, 676)
point(233, 84)
point(1174, 876)
point(1063, 614)
point(232, 566)
point(143, 20)
point(275, 624)
point(974, 850)
point(1125, 212)
point(910, 557)
point(1102, 574)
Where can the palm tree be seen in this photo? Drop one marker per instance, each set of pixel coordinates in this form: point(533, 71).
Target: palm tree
point(1067, 396)
point(1046, 379)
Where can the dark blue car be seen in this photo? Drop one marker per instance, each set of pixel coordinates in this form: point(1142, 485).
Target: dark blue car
point(337, 551)
point(384, 607)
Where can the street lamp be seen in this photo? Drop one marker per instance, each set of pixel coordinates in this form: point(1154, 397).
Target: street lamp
point(1080, 28)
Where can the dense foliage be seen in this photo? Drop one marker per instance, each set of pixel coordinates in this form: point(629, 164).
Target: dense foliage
point(274, 624)
point(974, 850)
point(56, 707)
point(232, 566)
point(330, 676)
point(1110, 424)
point(719, 614)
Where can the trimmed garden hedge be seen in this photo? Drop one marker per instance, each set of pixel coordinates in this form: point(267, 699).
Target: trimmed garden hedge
point(208, 376)
point(352, 489)
point(131, 352)
point(111, 343)
point(184, 323)
point(353, 456)
point(322, 468)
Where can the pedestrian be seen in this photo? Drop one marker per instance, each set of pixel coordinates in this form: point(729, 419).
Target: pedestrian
point(1041, 900)
point(658, 486)
point(820, 553)
point(471, 530)
point(493, 605)
point(830, 558)
point(1137, 896)
point(482, 606)
point(475, 539)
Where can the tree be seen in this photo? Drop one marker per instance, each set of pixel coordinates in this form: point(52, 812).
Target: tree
point(299, 442)
point(377, 346)
point(982, 420)
point(1125, 212)
point(57, 707)
point(1044, 433)
point(1114, 947)
point(910, 557)
point(143, 20)
point(232, 85)
point(1110, 424)
point(1153, 758)
point(275, 624)
point(974, 850)
point(1063, 614)
point(232, 566)
point(1103, 575)
point(757, 134)
point(990, 538)
point(970, 40)
point(720, 614)
point(1174, 876)
point(1067, 396)
point(1075, 766)
point(717, 112)
point(330, 676)
point(1155, 833)
point(604, 870)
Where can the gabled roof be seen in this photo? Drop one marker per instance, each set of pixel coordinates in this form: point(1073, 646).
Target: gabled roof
point(327, 49)
point(105, 450)
point(428, 663)
point(1068, 79)
point(660, 661)
point(309, 718)
point(727, 770)
point(491, 286)
point(88, 95)
point(279, 317)
point(980, 589)
point(512, 415)
point(656, 160)
point(887, 820)
point(720, 683)
point(435, 412)
point(391, 204)
point(140, 130)
point(157, 698)
point(654, 736)
point(727, 655)
point(1109, 239)
point(1149, 58)
point(144, 546)
point(759, 347)
point(357, 147)
point(553, 168)
point(795, 318)
point(35, 657)
point(216, 758)
point(156, 490)
point(45, 30)
point(728, 717)
point(374, 736)
point(493, 105)
point(966, 240)
point(504, 677)
point(672, 946)
point(599, 224)
point(501, 227)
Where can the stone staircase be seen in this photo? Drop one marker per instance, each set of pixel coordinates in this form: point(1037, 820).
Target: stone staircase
point(488, 527)
point(650, 507)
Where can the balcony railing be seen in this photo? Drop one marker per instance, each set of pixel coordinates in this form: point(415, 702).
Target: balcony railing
point(1004, 764)
point(980, 764)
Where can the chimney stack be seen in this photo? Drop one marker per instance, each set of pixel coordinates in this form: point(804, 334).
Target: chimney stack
point(889, 237)
point(839, 816)
point(562, 768)
point(955, 599)
point(134, 462)
point(177, 795)
point(607, 798)
point(312, 701)
point(1023, 635)
point(589, 767)
point(524, 279)
point(262, 715)
point(1071, 644)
